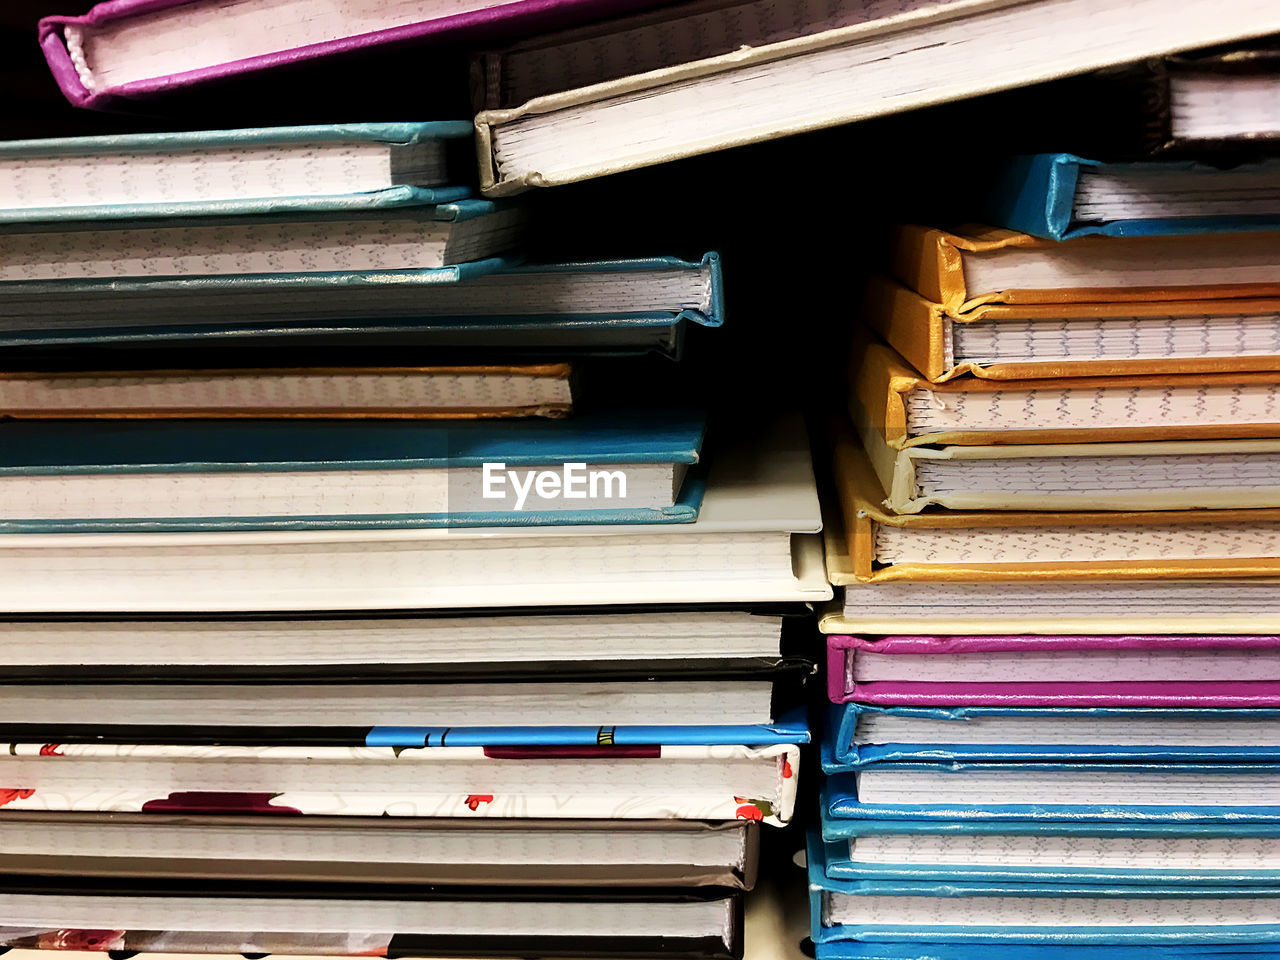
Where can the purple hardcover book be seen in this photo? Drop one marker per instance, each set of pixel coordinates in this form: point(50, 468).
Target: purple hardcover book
point(126, 50)
point(1038, 671)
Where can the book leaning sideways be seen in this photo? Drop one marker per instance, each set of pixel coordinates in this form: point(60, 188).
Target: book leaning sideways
point(127, 50)
point(616, 106)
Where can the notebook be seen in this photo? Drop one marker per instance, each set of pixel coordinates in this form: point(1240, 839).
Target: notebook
point(1111, 339)
point(636, 711)
point(1007, 913)
point(445, 237)
point(138, 49)
point(1233, 789)
point(350, 920)
point(82, 476)
point(1124, 796)
point(1052, 851)
point(220, 172)
point(1217, 103)
point(526, 390)
point(1162, 475)
point(382, 852)
point(752, 543)
point(477, 645)
point(978, 265)
point(1067, 671)
point(820, 75)
point(867, 735)
point(870, 544)
point(905, 410)
point(1060, 196)
point(1051, 608)
point(612, 306)
point(644, 781)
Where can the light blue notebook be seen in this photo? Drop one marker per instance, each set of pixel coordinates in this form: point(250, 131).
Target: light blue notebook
point(1051, 851)
point(852, 796)
point(1061, 913)
point(869, 735)
point(145, 475)
point(487, 308)
point(1060, 196)
point(335, 167)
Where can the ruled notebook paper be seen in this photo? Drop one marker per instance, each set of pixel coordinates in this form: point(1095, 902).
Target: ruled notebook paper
point(212, 173)
point(1203, 541)
point(354, 841)
point(253, 247)
point(1043, 850)
point(1124, 338)
point(1050, 407)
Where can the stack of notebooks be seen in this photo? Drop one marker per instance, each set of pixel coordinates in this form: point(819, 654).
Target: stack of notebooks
point(1054, 684)
point(329, 657)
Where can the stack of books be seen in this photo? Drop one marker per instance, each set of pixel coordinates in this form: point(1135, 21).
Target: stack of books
point(1054, 680)
point(325, 656)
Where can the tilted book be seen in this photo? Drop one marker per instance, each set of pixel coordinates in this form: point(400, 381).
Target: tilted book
point(838, 67)
point(123, 50)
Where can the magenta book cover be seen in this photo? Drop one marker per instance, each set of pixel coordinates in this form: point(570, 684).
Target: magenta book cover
point(1125, 684)
point(137, 28)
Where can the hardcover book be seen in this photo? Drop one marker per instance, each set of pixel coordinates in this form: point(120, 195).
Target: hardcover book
point(355, 166)
point(1056, 671)
point(1047, 912)
point(1059, 196)
point(123, 50)
point(544, 310)
point(902, 409)
point(1000, 341)
point(870, 544)
point(867, 735)
point(1052, 850)
point(382, 852)
point(82, 476)
point(753, 542)
point(977, 265)
point(610, 781)
point(1121, 607)
point(835, 69)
